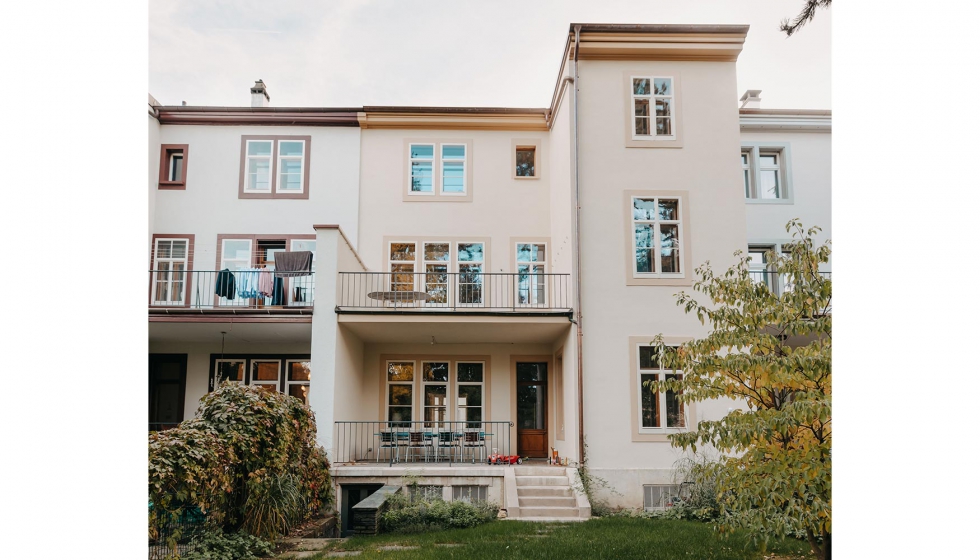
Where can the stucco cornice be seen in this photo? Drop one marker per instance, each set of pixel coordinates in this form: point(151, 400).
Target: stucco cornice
point(306, 116)
point(784, 119)
point(453, 118)
point(660, 42)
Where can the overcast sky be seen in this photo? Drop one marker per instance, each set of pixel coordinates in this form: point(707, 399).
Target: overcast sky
point(349, 53)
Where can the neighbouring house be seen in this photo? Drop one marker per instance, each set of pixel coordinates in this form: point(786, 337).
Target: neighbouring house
point(482, 279)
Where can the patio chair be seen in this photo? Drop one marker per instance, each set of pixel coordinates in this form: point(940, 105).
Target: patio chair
point(446, 440)
point(473, 440)
point(416, 441)
point(389, 441)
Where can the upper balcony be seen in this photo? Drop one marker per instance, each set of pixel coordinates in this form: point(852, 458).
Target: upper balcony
point(250, 292)
point(463, 293)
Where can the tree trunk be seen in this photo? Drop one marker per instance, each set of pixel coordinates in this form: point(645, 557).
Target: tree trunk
point(821, 552)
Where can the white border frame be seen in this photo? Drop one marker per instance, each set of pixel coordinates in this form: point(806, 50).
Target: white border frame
point(652, 97)
point(679, 222)
point(171, 260)
point(544, 277)
point(431, 160)
point(271, 156)
point(785, 173)
point(442, 177)
point(302, 167)
point(661, 398)
point(387, 394)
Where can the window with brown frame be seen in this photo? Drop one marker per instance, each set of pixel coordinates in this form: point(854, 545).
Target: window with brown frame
point(173, 167)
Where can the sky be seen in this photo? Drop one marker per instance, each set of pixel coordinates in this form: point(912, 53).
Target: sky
point(351, 53)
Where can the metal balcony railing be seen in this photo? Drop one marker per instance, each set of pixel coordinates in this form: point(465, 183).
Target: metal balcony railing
point(778, 282)
point(420, 441)
point(454, 291)
point(212, 289)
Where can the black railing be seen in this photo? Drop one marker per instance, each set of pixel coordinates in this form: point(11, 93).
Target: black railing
point(173, 531)
point(420, 441)
point(778, 282)
point(212, 289)
point(454, 291)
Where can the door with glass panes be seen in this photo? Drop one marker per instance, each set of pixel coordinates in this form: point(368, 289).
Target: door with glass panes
point(532, 409)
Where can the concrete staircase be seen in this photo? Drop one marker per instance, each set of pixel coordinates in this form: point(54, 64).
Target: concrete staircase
point(547, 494)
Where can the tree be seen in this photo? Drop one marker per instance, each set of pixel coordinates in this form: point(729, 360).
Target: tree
point(772, 352)
point(806, 14)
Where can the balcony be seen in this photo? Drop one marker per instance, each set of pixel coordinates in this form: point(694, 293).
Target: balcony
point(464, 293)
point(369, 442)
point(184, 291)
point(778, 283)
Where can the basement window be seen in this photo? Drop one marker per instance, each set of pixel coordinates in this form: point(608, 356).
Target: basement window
point(658, 497)
point(470, 493)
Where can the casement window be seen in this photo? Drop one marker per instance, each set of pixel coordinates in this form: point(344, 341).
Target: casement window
point(469, 391)
point(439, 380)
point(469, 260)
point(173, 167)
point(469, 493)
point(401, 382)
point(659, 410)
point(438, 170)
point(526, 157)
point(765, 172)
point(761, 270)
point(531, 279)
point(435, 387)
point(418, 492)
point(436, 262)
point(289, 374)
point(653, 108)
point(657, 234)
point(170, 268)
point(401, 263)
point(275, 167)
point(657, 497)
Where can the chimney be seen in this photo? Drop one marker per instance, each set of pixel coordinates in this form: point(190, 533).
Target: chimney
point(260, 97)
point(750, 99)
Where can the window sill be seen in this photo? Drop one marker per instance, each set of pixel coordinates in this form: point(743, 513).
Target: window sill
point(657, 281)
point(525, 178)
point(172, 185)
point(782, 201)
point(269, 195)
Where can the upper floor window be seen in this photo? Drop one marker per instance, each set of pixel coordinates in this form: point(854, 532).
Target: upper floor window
point(170, 266)
point(438, 171)
point(173, 166)
point(653, 108)
point(275, 167)
point(524, 159)
point(765, 172)
point(657, 236)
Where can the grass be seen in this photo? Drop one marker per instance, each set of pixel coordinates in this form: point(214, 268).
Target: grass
point(613, 538)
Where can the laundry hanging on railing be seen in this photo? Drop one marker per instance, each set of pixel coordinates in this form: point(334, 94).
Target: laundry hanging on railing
point(248, 282)
point(224, 284)
point(278, 297)
point(293, 263)
point(265, 283)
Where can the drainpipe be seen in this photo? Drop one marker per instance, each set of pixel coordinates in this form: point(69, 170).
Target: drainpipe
point(578, 253)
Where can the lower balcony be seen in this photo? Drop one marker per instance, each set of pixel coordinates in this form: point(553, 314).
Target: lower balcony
point(438, 292)
point(432, 442)
point(177, 290)
point(777, 282)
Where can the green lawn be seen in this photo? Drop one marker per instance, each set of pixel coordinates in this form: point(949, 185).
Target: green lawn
point(613, 538)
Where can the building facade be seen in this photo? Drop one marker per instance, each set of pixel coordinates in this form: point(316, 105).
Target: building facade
point(484, 280)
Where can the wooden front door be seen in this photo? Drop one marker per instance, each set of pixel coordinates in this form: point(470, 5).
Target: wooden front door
point(532, 409)
point(168, 374)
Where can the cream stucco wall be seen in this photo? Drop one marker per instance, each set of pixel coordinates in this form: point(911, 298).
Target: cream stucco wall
point(153, 167)
point(707, 170)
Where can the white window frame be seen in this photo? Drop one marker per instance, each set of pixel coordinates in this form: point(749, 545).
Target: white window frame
point(171, 261)
point(656, 223)
point(449, 269)
point(540, 276)
point(302, 166)
point(746, 157)
point(249, 157)
point(252, 364)
point(290, 383)
point(459, 271)
point(663, 492)
point(392, 262)
point(442, 169)
point(432, 162)
point(652, 106)
point(457, 384)
point(447, 384)
point(465, 493)
point(661, 372)
point(412, 384)
point(243, 361)
point(172, 174)
point(755, 150)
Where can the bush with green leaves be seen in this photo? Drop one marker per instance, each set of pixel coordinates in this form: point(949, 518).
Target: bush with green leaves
point(216, 545)
point(407, 516)
point(249, 460)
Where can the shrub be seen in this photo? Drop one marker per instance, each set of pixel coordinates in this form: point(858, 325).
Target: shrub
point(216, 545)
point(406, 516)
point(249, 460)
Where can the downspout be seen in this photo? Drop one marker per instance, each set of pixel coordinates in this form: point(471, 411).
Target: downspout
point(578, 253)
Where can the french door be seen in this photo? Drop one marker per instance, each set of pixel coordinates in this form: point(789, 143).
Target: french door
point(532, 409)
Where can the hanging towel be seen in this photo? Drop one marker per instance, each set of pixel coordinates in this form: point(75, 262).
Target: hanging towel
point(265, 282)
point(293, 263)
point(278, 298)
point(224, 284)
point(248, 279)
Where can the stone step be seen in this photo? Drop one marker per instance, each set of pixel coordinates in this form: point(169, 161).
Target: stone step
point(531, 512)
point(539, 471)
point(542, 491)
point(546, 501)
point(542, 480)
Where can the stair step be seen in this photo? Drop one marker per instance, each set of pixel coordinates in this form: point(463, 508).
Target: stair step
point(546, 501)
point(543, 491)
point(542, 480)
point(549, 512)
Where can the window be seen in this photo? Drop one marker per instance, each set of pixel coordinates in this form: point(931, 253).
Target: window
point(660, 496)
point(436, 260)
point(531, 274)
point(657, 236)
point(173, 167)
point(759, 265)
point(658, 410)
point(275, 167)
point(653, 108)
point(401, 380)
point(417, 492)
point(448, 272)
point(438, 170)
point(525, 161)
point(765, 172)
point(170, 283)
point(470, 493)
point(435, 384)
point(469, 391)
point(469, 259)
point(289, 374)
point(402, 266)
